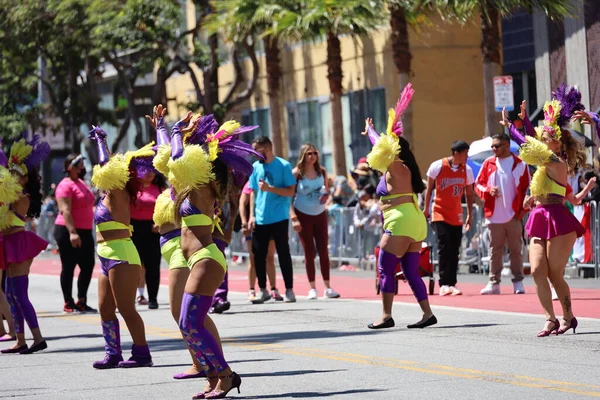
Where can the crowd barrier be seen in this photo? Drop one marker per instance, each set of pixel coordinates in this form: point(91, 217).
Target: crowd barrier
point(351, 245)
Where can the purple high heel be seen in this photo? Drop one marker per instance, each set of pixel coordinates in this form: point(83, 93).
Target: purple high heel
point(544, 332)
point(572, 324)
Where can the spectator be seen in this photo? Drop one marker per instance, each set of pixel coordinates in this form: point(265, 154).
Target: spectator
point(451, 177)
point(594, 195)
point(309, 217)
point(47, 219)
point(244, 213)
point(335, 227)
point(273, 185)
point(502, 184)
point(342, 189)
point(73, 233)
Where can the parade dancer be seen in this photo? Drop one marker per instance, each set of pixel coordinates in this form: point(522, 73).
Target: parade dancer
point(404, 223)
point(552, 228)
point(119, 177)
point(201, 171)
point(20, 198)
point(170, 239)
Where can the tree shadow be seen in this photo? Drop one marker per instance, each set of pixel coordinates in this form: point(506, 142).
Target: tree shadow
point(278, 337)
point(304, 395)
point(290, 373)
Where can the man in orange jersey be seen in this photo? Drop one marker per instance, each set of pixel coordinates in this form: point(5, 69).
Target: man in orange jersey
point(451, 177)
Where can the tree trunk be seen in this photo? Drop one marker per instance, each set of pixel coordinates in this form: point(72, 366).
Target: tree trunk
point(402, 60)
point(490, 49)
point(211, 78)
point(274, 85)
point(335, 76)
point(122, 133)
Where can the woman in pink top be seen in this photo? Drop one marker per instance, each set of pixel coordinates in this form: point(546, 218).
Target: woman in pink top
point(73, 233)
point(146, 237)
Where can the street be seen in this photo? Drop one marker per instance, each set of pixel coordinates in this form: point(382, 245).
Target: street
point(317, 349)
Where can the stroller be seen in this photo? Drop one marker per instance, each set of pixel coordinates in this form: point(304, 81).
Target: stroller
point(425, 269)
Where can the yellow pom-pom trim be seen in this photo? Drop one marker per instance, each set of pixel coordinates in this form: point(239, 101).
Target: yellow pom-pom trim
point(191, 170)
point(113, 175)
point(541, 185)
point(145, 151)
point(535, 152)
point(229, 127)
point(164, 209)
point(213, 150)
point(10, 190)
point(384, 152)
point(6, 217)
point(161, 159)
point(18, 153)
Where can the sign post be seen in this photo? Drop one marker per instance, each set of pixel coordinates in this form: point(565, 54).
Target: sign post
point(504, 93)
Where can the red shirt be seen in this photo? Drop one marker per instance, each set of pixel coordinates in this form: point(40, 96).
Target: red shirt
point(143, 210)
point(449, 188)
point(82, 202)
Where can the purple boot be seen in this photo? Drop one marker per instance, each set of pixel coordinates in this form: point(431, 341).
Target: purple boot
point(140, 357)
point(112, 345)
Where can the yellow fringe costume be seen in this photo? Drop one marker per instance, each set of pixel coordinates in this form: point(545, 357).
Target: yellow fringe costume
point(10, 191)
point(115, 174)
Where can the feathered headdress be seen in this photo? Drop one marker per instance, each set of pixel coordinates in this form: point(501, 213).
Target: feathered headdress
point(26, 155)
point(559, 111)
point(394, 126)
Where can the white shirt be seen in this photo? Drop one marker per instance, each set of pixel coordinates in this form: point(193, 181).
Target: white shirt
point(507, 188)
point(436, 167)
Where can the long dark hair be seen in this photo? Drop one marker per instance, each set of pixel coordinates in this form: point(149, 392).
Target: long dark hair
point(408, 158)
point(160, 181)
point(133, 187)
point(33, 187)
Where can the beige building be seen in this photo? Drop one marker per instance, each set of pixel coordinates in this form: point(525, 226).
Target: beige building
point(447, 106)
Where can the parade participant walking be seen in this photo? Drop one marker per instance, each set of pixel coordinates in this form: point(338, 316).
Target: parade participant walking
point(21, 198)
point(404, 223)
point(119, 177)
point(244, 212)
point(273, 185)
point(309, 216)
point(451, 178)
point(502, 184)
point(73, 233)
point(203, 166)
point(552, 228)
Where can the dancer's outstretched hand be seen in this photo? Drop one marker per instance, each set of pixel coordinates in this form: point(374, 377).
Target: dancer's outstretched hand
point(368, 124)
point(158, 113)
point(505, 122)
point(523, 112)
point(584, 116)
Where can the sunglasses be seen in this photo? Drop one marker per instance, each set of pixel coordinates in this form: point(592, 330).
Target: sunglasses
point(311, 153)
point(497, 146)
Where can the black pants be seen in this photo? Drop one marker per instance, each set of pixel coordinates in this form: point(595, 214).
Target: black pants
point(70, 257)
point(260, 245)
point(147, 244)
point(449, 239)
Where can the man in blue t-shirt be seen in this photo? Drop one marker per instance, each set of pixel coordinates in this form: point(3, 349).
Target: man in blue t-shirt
point(273, 186)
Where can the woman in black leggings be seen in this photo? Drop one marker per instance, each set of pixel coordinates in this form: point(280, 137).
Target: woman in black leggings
point(145, 235)
point(73, 233)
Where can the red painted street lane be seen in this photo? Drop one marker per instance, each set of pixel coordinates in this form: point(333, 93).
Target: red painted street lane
point(586, 302)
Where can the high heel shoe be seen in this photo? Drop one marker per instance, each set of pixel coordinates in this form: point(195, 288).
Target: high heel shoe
point(236, 382)
point(544, 332)
point(572, 324)
point(202, 395)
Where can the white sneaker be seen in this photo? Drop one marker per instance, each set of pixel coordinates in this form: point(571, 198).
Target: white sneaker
point(554, 295)
point(331, 294)
point(290, 297)
point(312, 294)
point(491, 288)
point(518, 287)
point(506, 272)
point(455, 291)
point(445, 290)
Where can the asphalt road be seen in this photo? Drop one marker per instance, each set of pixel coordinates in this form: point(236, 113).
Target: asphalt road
point(316, 349)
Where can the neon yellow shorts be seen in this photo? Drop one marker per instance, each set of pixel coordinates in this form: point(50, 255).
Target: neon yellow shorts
point(116, 252)
point(211, 251)
point(405, 220)
point(172, 253)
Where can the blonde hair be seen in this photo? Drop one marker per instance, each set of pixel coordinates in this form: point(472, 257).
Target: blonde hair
point(300, 164)
point(574, 152)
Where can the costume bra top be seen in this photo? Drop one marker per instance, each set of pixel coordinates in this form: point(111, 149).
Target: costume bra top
point(543, 185)
point(382, 187)
point(17, 220)
point(104, 220)
point(191, 216)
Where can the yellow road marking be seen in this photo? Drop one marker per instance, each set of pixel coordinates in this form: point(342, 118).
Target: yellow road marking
point(414, 366)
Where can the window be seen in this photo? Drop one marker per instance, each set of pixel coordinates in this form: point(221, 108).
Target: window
point(310, 122)
point(258, 117)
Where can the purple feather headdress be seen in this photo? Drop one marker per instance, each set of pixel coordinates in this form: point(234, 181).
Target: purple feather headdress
point(205, 127)
point(41, 151)
point(27, 155)
point(570, 101)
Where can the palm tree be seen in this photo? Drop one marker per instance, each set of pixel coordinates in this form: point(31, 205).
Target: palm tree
point(239, 19)
point(489, 12)
point(331, 19)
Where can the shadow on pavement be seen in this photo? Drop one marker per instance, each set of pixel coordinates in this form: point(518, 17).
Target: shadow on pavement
point(270, 310)
point(467, 326)
point(81, 336)
point(270, 338)
point(155, 347)
point(303, 395)
point(290, 373)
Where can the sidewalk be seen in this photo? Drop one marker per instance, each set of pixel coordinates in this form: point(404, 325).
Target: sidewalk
point(361, 285)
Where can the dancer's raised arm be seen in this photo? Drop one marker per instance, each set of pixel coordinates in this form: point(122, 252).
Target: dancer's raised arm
point(99, 136)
